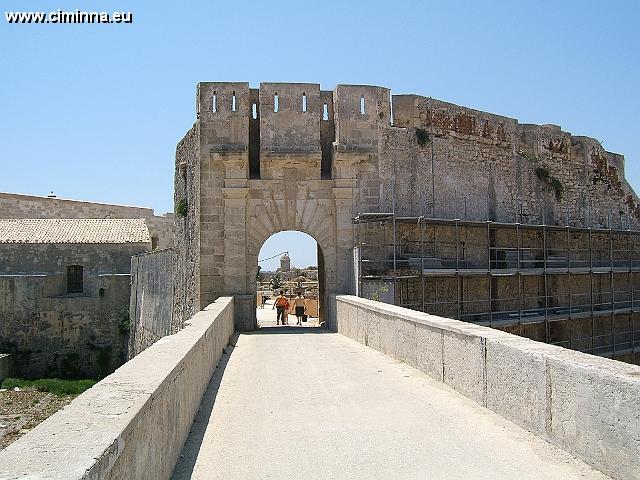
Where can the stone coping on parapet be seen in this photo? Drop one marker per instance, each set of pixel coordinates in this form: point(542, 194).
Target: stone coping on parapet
point(155, 395)
point(406, 108)
point(587, 405)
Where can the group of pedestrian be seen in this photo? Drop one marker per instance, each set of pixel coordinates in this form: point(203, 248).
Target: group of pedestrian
point(282, 306)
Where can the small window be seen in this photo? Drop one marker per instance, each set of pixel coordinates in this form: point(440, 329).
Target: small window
point(325, 112)
point(254, 111)
point(304, 102)
point(214, 108)
point(362, 109)
point(275, 103)
point(233, 102)
point(75, 282)
point(154, 243)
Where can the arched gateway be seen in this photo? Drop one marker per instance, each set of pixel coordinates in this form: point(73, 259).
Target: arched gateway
point(294, 157)
point(263, 161)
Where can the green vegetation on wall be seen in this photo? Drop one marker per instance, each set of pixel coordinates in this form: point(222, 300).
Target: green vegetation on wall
point(182, 208)
point(422, 137)
point(544, 175)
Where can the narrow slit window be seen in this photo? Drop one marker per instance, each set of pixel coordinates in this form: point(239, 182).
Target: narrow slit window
point(325, 112)
point(254, 111)
point(304, 102)
point(362, 107)
point(214, 107)
point(75, 279)
point(275, 103)
point(233, 102)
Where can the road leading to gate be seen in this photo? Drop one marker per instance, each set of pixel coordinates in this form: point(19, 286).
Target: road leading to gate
point(291, 403)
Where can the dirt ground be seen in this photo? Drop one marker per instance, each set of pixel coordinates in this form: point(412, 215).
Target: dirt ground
point(23, 409)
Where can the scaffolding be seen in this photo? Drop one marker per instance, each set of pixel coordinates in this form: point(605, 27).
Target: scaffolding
point(571, 286)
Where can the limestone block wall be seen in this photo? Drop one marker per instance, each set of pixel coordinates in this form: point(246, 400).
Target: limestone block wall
point(133, 423)
point(14, 205)
point(187, 268)
point(52, 258)
point(292, 156)
point(584, 404)
point(6, 366)
point(488, 166)
point(151, 302)
point(53, 333)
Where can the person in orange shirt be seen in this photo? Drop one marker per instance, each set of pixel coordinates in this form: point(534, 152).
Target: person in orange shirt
point(281, 305)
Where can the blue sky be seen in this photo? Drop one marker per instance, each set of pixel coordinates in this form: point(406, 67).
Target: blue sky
point(94, 111)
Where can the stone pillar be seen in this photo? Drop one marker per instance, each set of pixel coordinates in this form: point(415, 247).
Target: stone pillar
point(235, 257)
point(343, 201)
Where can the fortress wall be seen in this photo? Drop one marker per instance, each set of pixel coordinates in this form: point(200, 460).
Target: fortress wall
point(187, 268)
point(290, 129)
point(534, 173)
point(266, 172)
point(151, 303)
point(54, 335)
point(13, 205)
point(223, 130)
point(357, 131)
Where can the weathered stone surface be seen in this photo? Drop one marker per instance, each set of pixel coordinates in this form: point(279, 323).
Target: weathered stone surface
point(586, 405)
point(13, 205)
point(133, 423)
point(151, 302)
point(53, 333)
point(246, 178)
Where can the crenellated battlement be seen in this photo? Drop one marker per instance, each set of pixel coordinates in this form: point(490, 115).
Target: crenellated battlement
point(291, 116)
point(432, 157)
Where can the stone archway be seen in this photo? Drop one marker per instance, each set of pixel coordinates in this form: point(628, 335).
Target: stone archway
point(247, 170)
point(320, 265)
point(267, 214)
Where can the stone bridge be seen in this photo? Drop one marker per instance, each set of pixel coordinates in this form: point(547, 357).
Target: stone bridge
point(392, 393)
point(384, 392)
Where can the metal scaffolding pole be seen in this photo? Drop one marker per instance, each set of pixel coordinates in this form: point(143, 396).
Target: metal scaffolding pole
point(421, 228)
point(569, 269)
point(546, 289)
point(613, 293)
point(359, 233)
point(519, 273)
point(591, 287)
point(457, 277)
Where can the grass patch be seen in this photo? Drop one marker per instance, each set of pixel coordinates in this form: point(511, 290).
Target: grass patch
point(52, 385)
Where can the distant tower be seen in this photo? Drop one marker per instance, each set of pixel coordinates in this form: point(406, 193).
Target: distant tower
point(285, 263)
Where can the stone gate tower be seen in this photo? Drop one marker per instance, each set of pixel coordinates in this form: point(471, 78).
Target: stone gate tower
point(290, 156)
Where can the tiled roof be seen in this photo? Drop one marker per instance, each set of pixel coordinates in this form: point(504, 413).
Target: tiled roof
point(81, 230)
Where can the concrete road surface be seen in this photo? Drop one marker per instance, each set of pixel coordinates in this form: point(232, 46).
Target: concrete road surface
point(292, 403)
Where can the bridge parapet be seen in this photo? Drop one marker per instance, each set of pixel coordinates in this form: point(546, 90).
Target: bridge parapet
point(589, 406)
point(133, 423)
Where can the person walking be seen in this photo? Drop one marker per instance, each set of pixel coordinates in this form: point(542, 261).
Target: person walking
point(300, 304)
point(281, 305)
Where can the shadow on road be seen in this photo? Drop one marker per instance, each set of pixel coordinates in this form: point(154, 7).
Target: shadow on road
point(286, 329)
